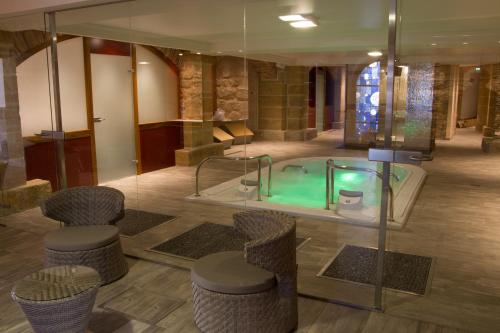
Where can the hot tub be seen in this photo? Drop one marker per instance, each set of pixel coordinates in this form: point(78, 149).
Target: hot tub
point(298, 187)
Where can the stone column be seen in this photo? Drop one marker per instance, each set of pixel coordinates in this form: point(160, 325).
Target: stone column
point(283, 98)
point(11, 140)
point(197, 76)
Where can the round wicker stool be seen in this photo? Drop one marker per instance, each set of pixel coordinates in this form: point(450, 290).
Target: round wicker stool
point(96, 246)
point(58, 299)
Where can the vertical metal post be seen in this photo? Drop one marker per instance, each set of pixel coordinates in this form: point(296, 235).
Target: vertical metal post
point(61, 166)
point(332, 183)
point(391, 56)
point(327, 189)
point(259, 180)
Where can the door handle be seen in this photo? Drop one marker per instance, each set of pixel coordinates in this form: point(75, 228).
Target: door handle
point(98, 119)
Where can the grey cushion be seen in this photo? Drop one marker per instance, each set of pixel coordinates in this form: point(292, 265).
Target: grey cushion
point(81, 238)
point(229, 273)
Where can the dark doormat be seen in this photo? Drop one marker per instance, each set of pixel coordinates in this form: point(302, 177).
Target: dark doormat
point(403, 272)
point(137, 221)
point(205, 239)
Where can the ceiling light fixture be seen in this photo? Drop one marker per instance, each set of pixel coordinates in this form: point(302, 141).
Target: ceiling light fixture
point(291, 18)
point(375, 53)
point(198, 53)
point(303, 24)
point(434, 44)
point(181, 54)
point(465, 43)
point(143, 63)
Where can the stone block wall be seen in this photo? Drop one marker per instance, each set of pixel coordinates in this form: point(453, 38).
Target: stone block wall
point(232, 87)
point(198, 102)
point(191, 74)
point(283, 102)
point(11, 141)
point(488, 108)
point(445, 101)
point(297, 86)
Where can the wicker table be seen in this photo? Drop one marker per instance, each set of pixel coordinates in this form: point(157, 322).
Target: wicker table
point(58, 299)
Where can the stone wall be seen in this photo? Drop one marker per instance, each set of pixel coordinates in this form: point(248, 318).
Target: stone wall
point(198, 101)
point(445, 102)
point(232, 87)
point(11, 141)
point(191, 74)
point(283, 102)
point(488, 108)
point(495, 87)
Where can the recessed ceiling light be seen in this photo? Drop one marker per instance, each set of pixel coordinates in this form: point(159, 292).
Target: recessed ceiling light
point(143, 63)
point(465, 43)
point(434, 44)
point(291, 18)
point(303, 24)
point(375, 53)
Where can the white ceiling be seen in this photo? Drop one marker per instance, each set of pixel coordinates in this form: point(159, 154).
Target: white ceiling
point(347, 28)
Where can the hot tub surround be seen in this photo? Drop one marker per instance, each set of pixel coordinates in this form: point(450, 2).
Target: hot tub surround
point(304, 194)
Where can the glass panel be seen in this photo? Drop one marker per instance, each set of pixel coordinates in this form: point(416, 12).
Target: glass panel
point(310, 82)
point(28, 158)
point(446, 106)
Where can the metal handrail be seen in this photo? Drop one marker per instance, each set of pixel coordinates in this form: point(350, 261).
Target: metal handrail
point(242, 158)
point(330, 182)
point(294, 166)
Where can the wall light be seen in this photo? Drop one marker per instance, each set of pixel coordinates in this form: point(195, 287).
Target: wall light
point(303, 24)
point(181, 54)
point(291, 18)
point(375, 53)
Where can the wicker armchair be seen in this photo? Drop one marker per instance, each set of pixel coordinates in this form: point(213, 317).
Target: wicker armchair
point(85, 205)
point(88, 238)
point(271, 249)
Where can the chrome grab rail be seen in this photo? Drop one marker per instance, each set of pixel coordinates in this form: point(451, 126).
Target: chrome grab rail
point(295, 166)
point(242, 158)
point(330, 183)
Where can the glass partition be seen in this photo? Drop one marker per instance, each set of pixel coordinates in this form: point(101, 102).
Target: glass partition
point(445, 106)
point(197, 110)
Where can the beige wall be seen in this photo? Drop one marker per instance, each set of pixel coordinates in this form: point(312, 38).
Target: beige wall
point(34, 94)
point(157, 88)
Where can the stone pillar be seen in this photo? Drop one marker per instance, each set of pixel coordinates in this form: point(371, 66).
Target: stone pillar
point(11, 140)
point(232, 88)
point(283, 98)
point(197, 76)
point(445, 101)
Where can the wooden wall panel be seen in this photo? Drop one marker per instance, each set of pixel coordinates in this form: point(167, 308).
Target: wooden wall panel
point(159, 141)
point(41, 163)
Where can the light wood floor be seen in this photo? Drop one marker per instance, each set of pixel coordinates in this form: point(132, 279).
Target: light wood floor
point(455, 221)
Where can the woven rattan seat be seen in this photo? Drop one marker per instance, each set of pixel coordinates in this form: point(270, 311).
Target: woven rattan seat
point(229, 273)
point(263, 308)
point(81, 238)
